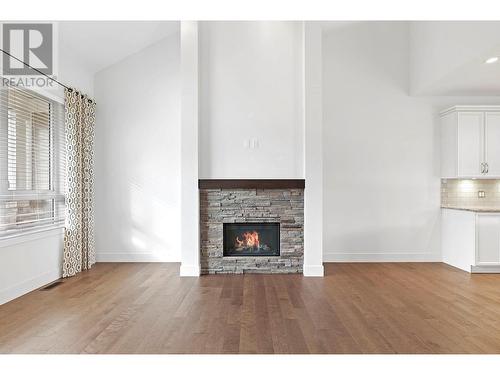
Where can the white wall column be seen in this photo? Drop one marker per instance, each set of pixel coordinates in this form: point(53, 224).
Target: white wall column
point(313, 150)
point(190, 236)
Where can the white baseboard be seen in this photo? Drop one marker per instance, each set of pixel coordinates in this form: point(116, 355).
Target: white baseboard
point(313, 271)
point(485, 269)
point(132, 258)
point(15, 291)
point(187, 270)
point(381, 257)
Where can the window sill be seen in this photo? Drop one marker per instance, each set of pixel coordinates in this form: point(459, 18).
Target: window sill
point(32, 235)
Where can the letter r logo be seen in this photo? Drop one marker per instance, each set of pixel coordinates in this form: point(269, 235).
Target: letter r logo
point(29, 42)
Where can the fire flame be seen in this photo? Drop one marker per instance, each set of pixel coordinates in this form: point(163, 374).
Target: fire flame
point(250, 239)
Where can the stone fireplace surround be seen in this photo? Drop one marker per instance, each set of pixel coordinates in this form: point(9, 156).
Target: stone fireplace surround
point(247, 201)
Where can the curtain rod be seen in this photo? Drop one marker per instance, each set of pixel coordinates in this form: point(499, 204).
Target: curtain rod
point(42, 73)
point(37, 70)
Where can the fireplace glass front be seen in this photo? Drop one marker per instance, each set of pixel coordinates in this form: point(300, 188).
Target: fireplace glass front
point(251, 239)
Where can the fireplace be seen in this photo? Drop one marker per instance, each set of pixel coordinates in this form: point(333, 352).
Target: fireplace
point(251, 239)
point(231, 208)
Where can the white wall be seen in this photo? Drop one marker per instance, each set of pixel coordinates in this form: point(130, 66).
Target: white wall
point(72, 73)
point(381, 148)
point(138, 156)
point(29, 262)
point(190, 196)
point(313, 150)
point(381, 177)
point(251, 90)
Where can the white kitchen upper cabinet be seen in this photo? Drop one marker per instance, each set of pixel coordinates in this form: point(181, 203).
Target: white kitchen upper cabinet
point(488, 240)
point(492, 143)
point(470, 142)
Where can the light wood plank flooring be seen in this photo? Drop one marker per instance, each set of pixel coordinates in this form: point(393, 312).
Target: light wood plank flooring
point(356, 308)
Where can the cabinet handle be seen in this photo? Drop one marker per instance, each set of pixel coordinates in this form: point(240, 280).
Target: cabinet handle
point(487, 168)
point(482, 168)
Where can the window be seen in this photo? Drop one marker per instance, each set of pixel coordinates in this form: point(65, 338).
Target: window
point(32, 162)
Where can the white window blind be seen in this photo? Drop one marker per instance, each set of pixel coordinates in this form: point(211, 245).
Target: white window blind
point(32, 162)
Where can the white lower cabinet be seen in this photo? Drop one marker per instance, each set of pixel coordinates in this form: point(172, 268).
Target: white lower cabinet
point(471, 240)
point(487, 239)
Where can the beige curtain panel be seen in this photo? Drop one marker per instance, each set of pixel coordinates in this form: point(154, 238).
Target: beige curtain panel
point(79, 247)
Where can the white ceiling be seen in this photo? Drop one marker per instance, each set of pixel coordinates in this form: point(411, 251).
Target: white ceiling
point(447, 58)
point(475, 78)
point(99, 44)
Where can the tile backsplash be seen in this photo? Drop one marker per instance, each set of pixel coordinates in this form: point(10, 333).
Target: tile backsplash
point(465, 193)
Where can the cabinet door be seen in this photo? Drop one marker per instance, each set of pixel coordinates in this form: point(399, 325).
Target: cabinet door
point(492, 143)
point(470, 144)
point(488, 239)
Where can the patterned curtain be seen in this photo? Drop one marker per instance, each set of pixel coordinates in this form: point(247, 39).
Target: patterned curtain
point(79, 249)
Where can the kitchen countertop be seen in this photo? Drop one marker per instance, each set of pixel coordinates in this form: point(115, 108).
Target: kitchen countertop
point(474, 209)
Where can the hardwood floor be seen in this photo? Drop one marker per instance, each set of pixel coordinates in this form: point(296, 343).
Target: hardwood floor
point(356, 308)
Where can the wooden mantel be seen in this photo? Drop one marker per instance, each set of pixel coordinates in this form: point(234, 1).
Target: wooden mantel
point(251, 184)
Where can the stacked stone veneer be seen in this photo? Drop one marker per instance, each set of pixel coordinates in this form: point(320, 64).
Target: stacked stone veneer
point(284, 206)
